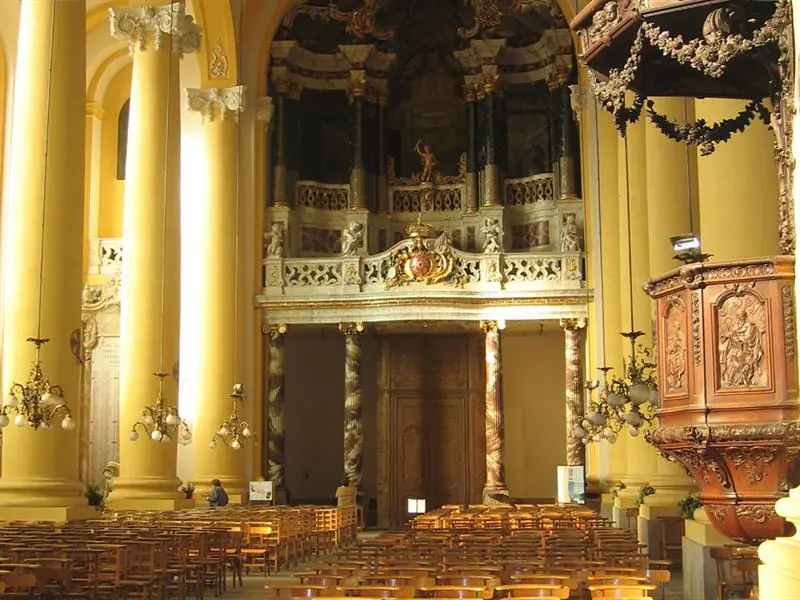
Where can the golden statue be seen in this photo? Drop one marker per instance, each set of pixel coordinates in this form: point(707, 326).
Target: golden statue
point(428, 159)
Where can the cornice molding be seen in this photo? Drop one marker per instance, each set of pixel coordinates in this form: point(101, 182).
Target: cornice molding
point(216, 102)
point(141, 24)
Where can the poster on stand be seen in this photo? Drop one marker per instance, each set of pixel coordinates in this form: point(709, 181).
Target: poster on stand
point(571, 485)
point(260, 491)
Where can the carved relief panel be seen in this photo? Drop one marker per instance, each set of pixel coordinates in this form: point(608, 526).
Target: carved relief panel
point(675, 355)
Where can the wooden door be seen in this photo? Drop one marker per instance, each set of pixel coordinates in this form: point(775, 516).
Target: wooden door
point(430, 413)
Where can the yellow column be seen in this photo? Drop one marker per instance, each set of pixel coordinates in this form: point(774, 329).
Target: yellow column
point(738, 186)
point(671, 210)
point(634, 304)
point(40, 468)
point(610, 248)
point(150, 295)
point(217, 369)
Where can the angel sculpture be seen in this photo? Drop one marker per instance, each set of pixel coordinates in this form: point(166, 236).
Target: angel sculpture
point(352, 239)
point(492, 236)
point(274, 241)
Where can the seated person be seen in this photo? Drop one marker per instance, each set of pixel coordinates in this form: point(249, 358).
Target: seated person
point(218, 496)
point(346, 493)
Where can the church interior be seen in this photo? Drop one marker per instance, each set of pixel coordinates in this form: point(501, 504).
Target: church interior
point(518, 273)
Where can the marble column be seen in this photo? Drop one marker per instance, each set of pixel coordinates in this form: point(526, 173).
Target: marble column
point(43, 244)
point(495, 430)
point(573, 390)
point(472, 149)
point(280, 177)
point(566, 160)
point(492, 193)
point(353, 397)
point(358, 174)
point(150, 295)
point(276, 400)
point(383, 179)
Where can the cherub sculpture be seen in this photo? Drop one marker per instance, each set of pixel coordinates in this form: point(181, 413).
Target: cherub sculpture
point(492, 236)
point(428, 159)
point(352, 239)
point(274, 241)
point(570, 237)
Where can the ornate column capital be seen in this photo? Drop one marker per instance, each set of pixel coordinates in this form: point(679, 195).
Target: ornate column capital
point(264, 110)
point(274, 330)
point(493, 326)
point(140, 24)
point(572, 324)
point(213, 102)
point(351, 328)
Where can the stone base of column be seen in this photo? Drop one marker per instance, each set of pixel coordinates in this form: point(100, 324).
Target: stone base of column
point(156, 504)
point(53, 514)
point(491, 494)
point(699, 569)
point(649, 526)
point(145, 489)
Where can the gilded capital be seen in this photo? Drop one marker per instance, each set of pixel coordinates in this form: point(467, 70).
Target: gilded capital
point(351, 328)
point(572, 324)
point(493, 326)
point(143, 24)
point(274, 330)
point(214, 102)
point(264, 110)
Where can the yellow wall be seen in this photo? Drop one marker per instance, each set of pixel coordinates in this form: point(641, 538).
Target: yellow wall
point(112, 192)
point(533, 396)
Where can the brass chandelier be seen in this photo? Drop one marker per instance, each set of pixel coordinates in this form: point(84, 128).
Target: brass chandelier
point(233, 432)
point(160, 421)
point(36, 403)
point(629, 400)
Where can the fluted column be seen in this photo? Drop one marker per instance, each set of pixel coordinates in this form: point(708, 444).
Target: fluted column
point(40, 468)
point(150, 296)
point(574, 388)
point(276, 400)
point(353, 396)
point(219, 360)
point(495, 430)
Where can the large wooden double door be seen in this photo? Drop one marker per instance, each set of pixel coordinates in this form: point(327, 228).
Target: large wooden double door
point(430, 422)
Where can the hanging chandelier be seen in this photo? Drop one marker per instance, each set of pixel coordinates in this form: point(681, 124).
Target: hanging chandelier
point(629, 401)
point(234, 432)
point(160, 422)
point(36, 403)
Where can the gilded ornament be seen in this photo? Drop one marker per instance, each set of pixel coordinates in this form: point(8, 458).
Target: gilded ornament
point(354, 328)
point(219, 61)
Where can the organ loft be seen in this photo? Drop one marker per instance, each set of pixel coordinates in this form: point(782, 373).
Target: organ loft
point(495, 266)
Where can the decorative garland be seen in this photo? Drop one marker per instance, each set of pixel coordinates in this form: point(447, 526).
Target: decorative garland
point(708, 136)
point(709, 56)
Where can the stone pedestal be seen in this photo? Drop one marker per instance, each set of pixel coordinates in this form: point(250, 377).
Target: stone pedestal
point(699, 569)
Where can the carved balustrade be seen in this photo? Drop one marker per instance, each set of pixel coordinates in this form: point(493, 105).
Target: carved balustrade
point(727, 360)
point(380, 273)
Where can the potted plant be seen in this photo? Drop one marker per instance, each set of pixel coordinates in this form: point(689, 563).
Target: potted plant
point(618, 487)
point(644, 492)
point(188, 490)
point(688, 505)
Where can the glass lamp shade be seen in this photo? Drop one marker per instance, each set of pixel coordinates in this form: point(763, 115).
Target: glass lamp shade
point(596, 418)
point(4, 421)
point(67, 424)
point(640, 394)
point(615, 399)
point(10, 401)
point(634, 419)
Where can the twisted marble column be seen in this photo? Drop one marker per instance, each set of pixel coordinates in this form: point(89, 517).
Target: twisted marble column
point(576, 453)
point(495, 430)
point(276, 400)
point(353, 394)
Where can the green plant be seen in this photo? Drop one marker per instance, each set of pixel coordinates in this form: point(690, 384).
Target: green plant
point(188, 490)
point(688, 505)
point(618, 487)
point(644, 492)
point(94, 496)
